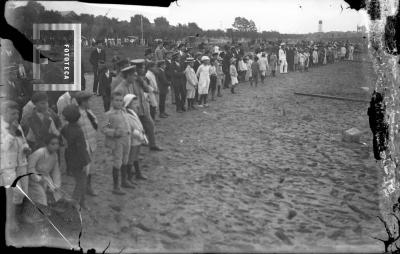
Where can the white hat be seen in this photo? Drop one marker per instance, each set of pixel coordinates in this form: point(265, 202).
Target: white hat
point(128, 68)
point(128, 99)
point(204, 58)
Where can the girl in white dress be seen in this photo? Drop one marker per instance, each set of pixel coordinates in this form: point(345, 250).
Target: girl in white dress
point(203, 74)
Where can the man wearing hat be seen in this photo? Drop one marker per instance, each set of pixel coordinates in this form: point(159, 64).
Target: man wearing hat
point(179, 83)
point(163, 84)
point(97, 55)
point(126, 82)
point(89, 124)
point(117, 74)
point(140, 86)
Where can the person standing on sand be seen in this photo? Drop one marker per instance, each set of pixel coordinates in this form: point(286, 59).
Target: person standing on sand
point(138, 137)
point(191, 83)
point(203, 75)
point(255, 69)
point(220, 76)
point(234, 75)
point(282, 59)
point(273, 63)
point(76, 155)
point(89, 124)
point(264, 66)
point(163, 85)
point(97, 55)
point(117, 131)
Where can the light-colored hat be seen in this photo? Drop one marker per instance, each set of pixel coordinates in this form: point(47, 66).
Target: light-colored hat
point(189, 59)
point(129, 68)
point(128, 99)
point(137, 61)
point(205, 58)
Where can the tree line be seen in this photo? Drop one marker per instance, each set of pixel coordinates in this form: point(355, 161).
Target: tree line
point(101, 26)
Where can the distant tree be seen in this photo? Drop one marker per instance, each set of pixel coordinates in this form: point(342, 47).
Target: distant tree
point(243, 25)
point(161, 22)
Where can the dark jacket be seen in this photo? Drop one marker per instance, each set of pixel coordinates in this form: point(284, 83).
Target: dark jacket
point(168, 71)
point(105, 84)
point(196, 65)
point(76, 154)
point(95, 57)
point(163, 82)
point(178, 75)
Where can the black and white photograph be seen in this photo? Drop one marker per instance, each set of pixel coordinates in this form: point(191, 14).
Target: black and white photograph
point(205, 126)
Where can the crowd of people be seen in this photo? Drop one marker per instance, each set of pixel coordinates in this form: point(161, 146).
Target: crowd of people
point(134, 92)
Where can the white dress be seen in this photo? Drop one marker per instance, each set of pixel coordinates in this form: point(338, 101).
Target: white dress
point(203, 73)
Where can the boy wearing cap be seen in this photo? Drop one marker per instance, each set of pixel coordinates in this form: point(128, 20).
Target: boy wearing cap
point(76, 154)
point(191, 83)
point(117, 131)
point(88, 123)
point(39, 124)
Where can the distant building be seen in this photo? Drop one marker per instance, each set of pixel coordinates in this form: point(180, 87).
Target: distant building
point(320, 26)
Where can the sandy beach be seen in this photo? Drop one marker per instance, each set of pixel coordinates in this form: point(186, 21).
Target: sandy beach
point(261, 170)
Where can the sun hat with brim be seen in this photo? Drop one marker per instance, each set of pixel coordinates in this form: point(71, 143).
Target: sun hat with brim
point(189, 60)
point(137, 61)
point(71, 113)
point(205, 58)
point(128, 99)
point(128, 69)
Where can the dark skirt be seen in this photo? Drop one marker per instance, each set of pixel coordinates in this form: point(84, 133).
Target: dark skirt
point(213, 82)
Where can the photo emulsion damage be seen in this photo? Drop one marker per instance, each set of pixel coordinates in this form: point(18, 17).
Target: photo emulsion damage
point(205, 126)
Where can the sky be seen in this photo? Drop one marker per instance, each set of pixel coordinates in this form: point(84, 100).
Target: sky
point(284, 16)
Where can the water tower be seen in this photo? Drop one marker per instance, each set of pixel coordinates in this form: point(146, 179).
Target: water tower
point(320, 26)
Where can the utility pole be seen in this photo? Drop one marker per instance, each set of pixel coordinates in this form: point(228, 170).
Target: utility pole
point(141, 25)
